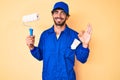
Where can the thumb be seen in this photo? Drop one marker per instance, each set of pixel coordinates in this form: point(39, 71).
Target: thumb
point(81, 33)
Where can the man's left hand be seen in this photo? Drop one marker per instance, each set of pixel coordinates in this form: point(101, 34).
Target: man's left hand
point(85, 36)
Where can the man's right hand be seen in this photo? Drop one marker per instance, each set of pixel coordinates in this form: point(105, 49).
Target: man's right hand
point(30, 40)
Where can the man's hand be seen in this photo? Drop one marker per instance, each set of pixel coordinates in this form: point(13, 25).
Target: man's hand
point(30, 40)
point(85, 36)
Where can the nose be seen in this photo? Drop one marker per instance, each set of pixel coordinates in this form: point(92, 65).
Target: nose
point(59, 15)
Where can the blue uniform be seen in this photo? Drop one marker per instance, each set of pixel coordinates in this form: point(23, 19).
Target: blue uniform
point(57, 55)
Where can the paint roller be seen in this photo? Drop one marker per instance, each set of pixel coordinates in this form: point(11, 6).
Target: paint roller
point(30, 18)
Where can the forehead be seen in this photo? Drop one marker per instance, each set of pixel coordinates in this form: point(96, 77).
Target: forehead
point(61, 10)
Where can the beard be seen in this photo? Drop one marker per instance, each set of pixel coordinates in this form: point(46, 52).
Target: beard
point(59, 23)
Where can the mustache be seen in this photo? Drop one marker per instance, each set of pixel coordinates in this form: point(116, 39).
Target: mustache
point(58, 18)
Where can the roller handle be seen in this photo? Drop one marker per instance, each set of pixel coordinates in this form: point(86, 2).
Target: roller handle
point(31, 31)
point(31, 34)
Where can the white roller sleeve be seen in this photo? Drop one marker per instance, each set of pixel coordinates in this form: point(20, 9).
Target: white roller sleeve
point(31, 17)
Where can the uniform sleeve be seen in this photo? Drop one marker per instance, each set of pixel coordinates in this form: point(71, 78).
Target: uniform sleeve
point(37, 52)
point(82, 53)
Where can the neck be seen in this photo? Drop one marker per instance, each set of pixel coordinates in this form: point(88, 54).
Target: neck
point(59, 29)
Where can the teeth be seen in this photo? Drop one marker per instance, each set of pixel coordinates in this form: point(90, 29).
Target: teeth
point(58, 19)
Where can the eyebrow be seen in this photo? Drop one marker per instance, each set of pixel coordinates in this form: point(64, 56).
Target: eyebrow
point(59, 9)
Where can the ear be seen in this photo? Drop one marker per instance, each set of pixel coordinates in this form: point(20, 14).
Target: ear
point(67, 17)
point(52, 14)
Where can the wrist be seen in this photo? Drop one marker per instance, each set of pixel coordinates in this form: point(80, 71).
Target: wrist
point(31, 47)
point(85, 45)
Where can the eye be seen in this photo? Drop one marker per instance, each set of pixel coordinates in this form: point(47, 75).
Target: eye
point(63, 13)
point(55, 12)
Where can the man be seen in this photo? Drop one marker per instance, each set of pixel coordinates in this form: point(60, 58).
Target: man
point(59, 45)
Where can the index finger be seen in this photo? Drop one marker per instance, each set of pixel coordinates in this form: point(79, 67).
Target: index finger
point(89, 29)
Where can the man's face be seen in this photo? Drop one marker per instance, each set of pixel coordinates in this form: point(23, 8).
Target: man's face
point(59, 17)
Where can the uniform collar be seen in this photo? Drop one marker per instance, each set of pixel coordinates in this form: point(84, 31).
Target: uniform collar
point(51, 30)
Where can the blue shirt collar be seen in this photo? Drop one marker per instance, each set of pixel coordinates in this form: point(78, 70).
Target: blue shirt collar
point(51, 30)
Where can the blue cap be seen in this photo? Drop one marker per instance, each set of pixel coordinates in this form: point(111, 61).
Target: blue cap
point(61, 5)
